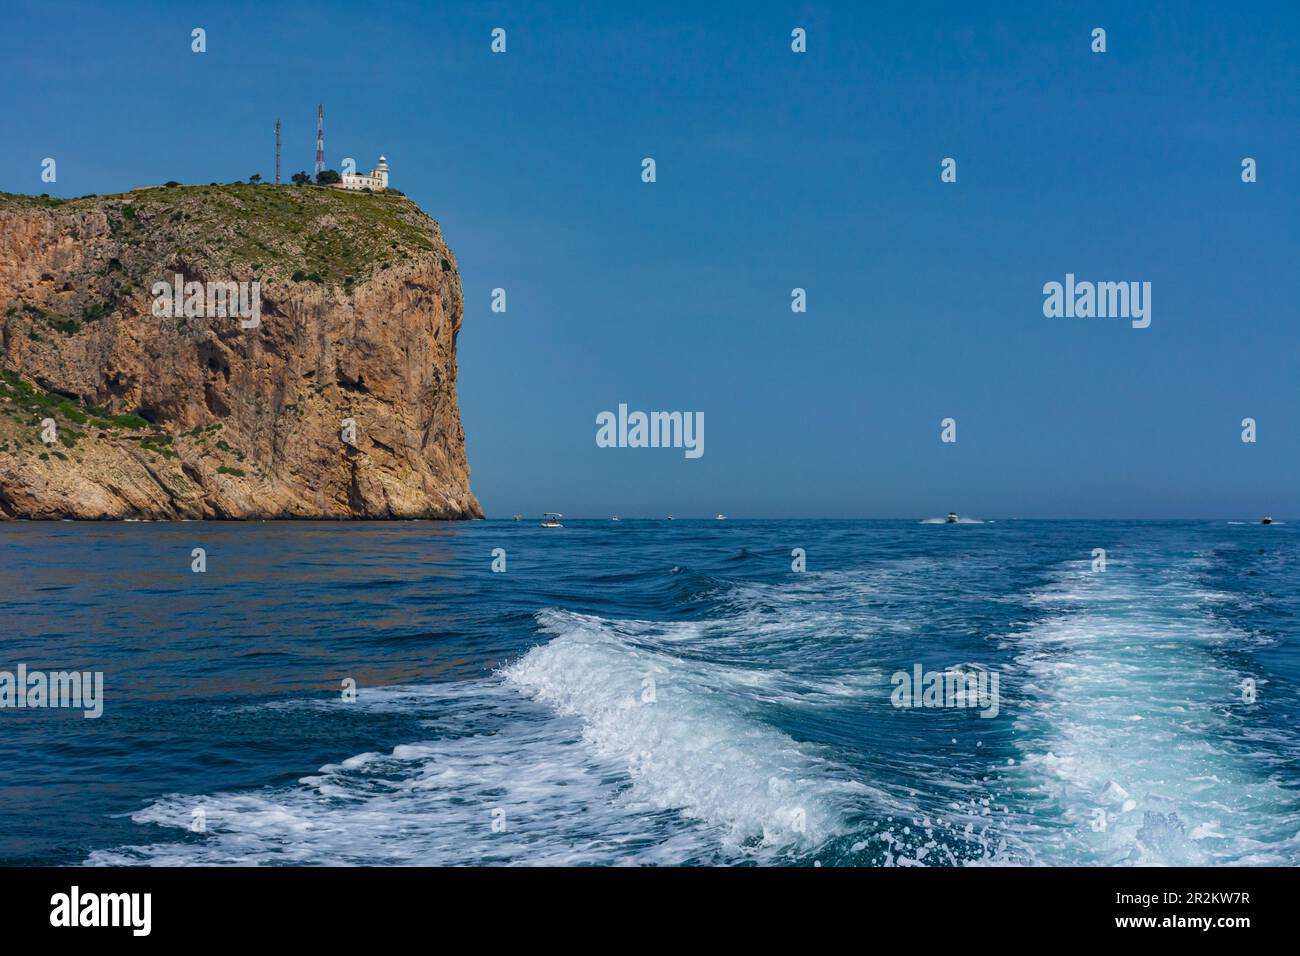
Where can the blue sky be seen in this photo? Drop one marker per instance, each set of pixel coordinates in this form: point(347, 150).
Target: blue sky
point(775, 170)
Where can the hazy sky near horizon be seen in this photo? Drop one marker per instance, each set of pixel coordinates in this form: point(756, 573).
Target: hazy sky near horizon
point(775, 170)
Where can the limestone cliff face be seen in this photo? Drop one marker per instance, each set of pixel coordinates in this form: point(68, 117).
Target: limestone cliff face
point(200, 417)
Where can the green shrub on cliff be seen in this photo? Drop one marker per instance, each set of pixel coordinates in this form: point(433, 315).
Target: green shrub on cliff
point(93, 313)
point(23, 396)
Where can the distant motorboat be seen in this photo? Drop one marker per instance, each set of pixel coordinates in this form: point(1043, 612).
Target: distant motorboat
point(952, 518)
point(552, 520)
point(615, 518)
point(1266, 520)
point(720, 517)
point(517, 517)
point(670, 517)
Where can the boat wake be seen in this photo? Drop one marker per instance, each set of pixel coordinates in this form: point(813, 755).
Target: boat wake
point(716, 739)
point(1137, 729)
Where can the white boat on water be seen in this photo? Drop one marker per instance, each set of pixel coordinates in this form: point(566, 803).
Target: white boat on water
point(720, 517)
point(552, 520)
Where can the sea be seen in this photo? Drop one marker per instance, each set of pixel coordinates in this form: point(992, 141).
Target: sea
point(654, 692)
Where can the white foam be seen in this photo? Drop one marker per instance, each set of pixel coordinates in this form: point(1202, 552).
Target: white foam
point(435, 802)
point(1130, 723)
point(693, 748)
point(563, 745)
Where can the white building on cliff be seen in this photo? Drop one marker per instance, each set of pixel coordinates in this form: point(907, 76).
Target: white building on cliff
point(376, 182)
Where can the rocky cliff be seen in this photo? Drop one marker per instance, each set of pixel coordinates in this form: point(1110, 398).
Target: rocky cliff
point(334, 398)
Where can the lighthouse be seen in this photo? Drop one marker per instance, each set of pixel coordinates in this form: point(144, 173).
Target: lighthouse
point(376, 182)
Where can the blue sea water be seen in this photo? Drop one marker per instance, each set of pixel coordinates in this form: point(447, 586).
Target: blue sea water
point(653, 692)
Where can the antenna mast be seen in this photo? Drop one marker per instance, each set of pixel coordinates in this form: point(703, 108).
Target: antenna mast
point(277, 152)
point(320, 139)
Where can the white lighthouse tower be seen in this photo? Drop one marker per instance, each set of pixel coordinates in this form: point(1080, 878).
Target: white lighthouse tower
point(381, 172)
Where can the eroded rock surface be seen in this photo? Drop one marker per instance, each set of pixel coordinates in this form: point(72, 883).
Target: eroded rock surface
point(199, 417)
